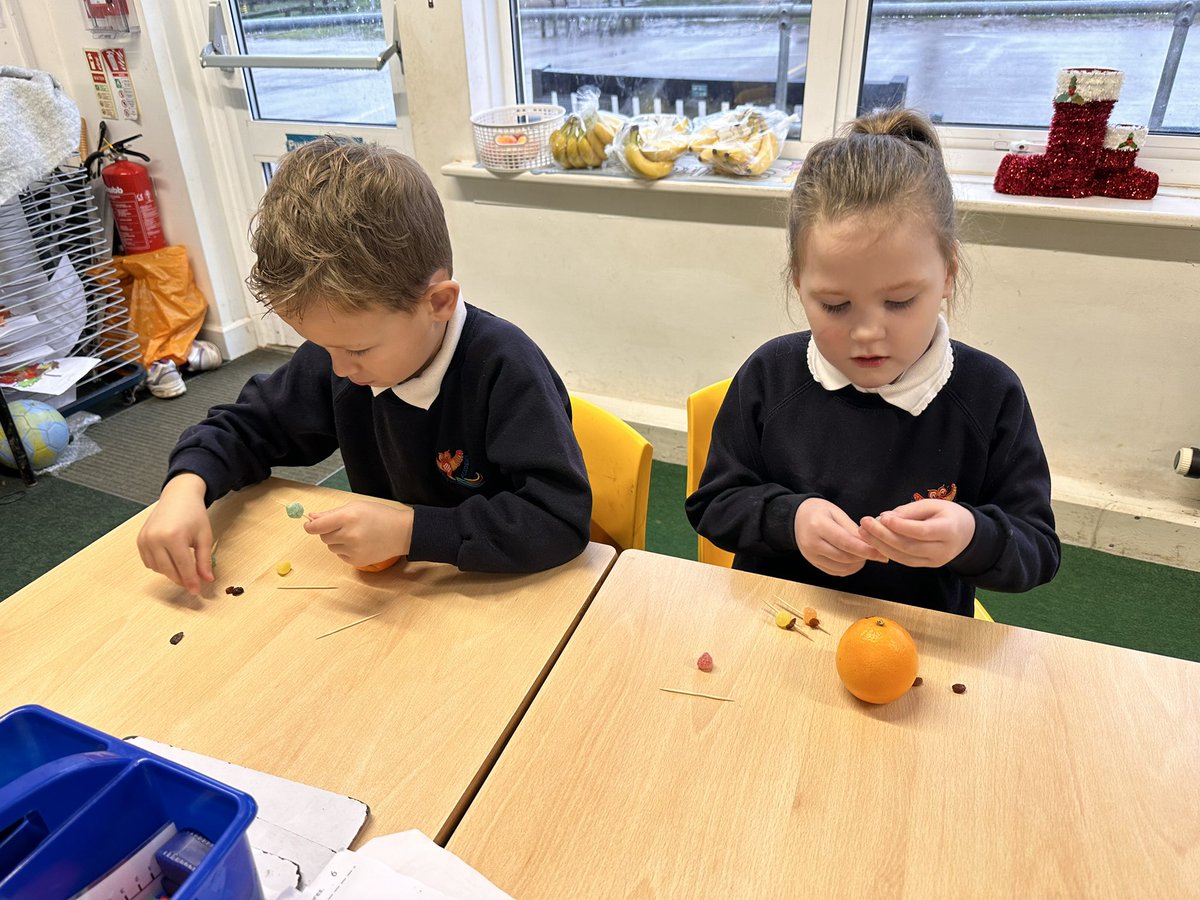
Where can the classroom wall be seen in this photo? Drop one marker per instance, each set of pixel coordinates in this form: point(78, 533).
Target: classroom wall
point(641, 297)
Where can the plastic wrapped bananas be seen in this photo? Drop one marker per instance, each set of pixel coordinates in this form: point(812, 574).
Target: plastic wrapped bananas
point(742, 144)
point(648, 148)
point(580, 145)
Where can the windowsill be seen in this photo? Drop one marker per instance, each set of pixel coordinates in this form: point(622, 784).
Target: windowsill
point(1173, 207)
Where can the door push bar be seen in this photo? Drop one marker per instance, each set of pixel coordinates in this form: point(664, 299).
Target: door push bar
point(216, 53)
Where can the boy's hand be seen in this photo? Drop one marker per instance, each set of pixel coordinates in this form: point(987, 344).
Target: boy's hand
point(829, 539)
point(176, 540)
point(924, 533)
point(363, 532)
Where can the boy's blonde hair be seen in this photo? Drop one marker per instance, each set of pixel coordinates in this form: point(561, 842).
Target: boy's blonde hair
point(351, 225)
point(888, 162)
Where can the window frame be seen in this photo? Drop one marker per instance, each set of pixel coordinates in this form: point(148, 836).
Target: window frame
point(836, 56)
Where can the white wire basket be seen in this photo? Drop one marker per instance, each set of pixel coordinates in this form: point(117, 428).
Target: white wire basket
point(516, 138)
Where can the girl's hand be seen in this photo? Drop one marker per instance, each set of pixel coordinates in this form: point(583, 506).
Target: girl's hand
point(176, 540)
point(829, 539)
point(924, 533)
point(364, 532)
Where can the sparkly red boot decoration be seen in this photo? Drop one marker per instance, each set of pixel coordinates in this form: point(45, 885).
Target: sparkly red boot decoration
point(1118, 176)
point(1083, 101)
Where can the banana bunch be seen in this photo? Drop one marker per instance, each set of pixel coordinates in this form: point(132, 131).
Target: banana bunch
point(744, 146)
point(577, 146)
point(653, 157)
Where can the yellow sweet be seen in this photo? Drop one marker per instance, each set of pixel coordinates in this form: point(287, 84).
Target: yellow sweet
point(283, 568)
point(784, 619)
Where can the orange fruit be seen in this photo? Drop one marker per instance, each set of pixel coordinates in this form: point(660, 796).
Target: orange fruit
point(379, 566)
point(877, 660)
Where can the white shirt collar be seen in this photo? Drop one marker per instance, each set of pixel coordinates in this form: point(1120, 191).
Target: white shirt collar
point(917, 385)
point(421, 390)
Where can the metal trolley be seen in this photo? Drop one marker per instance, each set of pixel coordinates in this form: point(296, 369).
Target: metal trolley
point(56, 271)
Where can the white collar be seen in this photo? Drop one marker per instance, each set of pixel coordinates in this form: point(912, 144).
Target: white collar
point(914, 389)
point(421, 390)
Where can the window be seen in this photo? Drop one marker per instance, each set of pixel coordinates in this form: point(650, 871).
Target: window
point(315, 28)
point(645, 57)
point(984, 66)
point(984, 69)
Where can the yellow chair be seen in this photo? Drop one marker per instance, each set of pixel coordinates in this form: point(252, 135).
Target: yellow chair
point(702, 406)
point(618, 466)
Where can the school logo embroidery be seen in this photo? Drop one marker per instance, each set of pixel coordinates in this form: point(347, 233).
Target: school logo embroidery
point(457, 467)
point(941, 493)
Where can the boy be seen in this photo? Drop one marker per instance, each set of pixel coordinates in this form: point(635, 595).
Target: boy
point(437, 404)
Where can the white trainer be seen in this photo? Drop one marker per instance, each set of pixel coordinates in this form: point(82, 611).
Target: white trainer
point(164, 380)
point(203, 356)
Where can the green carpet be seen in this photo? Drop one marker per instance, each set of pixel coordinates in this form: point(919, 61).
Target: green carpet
point(50, 522)
point(1110, 600)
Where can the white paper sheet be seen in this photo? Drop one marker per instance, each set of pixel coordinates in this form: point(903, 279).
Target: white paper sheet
point(51, 376)
point(404, 865)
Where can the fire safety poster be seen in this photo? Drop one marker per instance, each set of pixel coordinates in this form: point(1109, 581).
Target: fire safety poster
point(122, 81)
point(108, 106)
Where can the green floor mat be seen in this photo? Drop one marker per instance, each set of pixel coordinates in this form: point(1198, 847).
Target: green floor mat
point(51, 521)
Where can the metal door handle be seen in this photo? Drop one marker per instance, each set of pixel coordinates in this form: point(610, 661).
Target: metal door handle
point(216, 55)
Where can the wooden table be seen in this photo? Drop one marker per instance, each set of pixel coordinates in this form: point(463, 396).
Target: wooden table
point(1067, 768)
point(405, 712)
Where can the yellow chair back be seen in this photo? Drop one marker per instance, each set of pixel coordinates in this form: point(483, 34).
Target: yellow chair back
point(702, 406)
point(618, 466)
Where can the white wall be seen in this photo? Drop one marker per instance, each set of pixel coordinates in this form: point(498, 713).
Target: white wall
point(641, 297)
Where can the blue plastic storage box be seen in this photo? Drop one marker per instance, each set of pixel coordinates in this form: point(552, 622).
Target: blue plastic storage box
point(75, 803)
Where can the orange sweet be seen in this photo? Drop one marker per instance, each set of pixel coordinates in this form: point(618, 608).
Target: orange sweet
point(877, 660)
point(379, 566)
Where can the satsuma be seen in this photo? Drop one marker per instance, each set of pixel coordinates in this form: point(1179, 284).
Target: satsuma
point(877, 660)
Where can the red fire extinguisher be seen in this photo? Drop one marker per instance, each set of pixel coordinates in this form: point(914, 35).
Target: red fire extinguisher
point(131, 195)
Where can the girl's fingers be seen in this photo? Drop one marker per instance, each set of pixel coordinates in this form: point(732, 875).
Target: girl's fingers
point(906, 526)
point(849, 545)
point(900, 549)
point(836, 567)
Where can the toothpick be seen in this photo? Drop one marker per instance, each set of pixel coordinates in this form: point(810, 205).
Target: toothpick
point(305, 587)
point(696, 694)
point(793, 611)
point(344, 627)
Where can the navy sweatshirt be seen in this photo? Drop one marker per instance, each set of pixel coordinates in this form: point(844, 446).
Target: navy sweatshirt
point(781, 438)
point(517, 497)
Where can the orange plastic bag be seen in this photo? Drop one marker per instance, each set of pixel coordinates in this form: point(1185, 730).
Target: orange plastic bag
point(166, 309)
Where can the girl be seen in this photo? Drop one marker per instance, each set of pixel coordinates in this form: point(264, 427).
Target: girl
point(873, 454)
